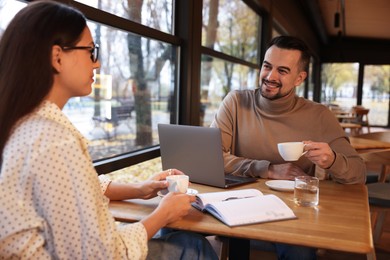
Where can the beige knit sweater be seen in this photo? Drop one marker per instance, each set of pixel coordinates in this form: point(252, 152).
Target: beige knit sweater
point(251, 127)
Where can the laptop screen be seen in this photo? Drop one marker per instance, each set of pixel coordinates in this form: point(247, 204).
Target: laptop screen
point(194, 150)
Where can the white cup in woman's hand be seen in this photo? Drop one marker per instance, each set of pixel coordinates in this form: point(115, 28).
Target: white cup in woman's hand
point(178, 183)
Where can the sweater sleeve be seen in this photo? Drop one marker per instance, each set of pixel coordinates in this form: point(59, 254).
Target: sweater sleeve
point(226, 121)
point(348, 167)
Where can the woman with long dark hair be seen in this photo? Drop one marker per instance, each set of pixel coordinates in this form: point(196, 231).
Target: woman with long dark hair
point(52, 204)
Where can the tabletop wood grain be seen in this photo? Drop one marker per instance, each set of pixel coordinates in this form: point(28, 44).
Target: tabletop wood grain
point(363, 143)
point(340, 222)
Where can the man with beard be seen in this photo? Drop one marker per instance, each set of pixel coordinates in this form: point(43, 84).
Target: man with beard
point(253, 122)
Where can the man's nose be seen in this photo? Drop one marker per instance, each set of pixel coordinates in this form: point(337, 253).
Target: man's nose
point(272, 75)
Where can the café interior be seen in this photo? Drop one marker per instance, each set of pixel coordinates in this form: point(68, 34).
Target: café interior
point(173, 62)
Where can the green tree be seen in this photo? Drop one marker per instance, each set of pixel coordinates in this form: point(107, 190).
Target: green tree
point(334, 76)
point(379, 77)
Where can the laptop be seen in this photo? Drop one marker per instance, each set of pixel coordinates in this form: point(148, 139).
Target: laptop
point(196, 151)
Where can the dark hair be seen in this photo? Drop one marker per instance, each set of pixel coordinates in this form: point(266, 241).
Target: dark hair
point(26, 72)
point(293, 43)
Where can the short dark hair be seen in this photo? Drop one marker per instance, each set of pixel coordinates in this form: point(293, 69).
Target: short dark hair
point(26, 71)
point(293, 43)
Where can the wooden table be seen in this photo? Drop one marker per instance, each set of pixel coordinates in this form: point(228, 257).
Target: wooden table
point(363, 144)
point(353, 128)
point(342, 111)
point(345, 118)
point(340, 222)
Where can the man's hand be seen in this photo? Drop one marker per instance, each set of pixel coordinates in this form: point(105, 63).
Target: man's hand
point(320, 154)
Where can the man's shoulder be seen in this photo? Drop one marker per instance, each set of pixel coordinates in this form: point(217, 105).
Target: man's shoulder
point(242, 93)
point(310, 103)
point(314, 108)
point(239, 97)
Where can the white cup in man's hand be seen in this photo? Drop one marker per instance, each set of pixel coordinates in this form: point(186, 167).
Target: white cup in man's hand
point(291, 151)
point(178, 183)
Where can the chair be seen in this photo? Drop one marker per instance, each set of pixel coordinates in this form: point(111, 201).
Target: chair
point(381, 158)
point(354, 129)
point(362, 117)
point(379, 199)
point(378, 193)
point(369, 157)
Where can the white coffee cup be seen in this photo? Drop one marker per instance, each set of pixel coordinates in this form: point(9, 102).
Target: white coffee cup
point(291, 151)
point(178, 183)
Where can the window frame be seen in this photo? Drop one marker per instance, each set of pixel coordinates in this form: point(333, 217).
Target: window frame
point(107, 165)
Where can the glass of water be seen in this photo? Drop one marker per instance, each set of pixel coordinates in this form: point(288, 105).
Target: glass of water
point(306, 191)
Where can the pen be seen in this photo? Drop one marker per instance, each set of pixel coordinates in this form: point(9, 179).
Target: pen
point(235, 198)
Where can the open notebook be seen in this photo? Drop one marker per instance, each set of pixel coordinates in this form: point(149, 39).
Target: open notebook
point(242, 207)
point(197, 151)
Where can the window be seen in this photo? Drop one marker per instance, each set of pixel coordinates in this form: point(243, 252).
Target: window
point(230, 59)
point(156, 14)
point(135, 84)
point(130, 95)
point(306, 89)
point(376, 90)
point(225, 76)
point(8, 9)
point(339, 84)
point(231, 27)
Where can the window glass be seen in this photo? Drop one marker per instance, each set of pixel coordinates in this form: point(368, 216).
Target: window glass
point(130, 95)
point(310, 79)
point(218, 78)
point(231, 27)
point(376, 89)
point(8, 9)
point(339, 84)
point(300, 90)
point(156, 14)
point(137, 173)
point(131, 92)
point(308, 83)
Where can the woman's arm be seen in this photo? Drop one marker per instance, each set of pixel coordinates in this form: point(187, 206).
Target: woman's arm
point(143, 190)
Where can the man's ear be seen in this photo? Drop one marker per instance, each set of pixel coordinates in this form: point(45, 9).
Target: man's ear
point(301, 77)
point(56, 55)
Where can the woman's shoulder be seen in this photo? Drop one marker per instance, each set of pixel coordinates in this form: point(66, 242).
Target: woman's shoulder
point(36, 130)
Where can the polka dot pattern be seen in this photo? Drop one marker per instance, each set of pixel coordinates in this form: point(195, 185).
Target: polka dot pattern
point(52, 204)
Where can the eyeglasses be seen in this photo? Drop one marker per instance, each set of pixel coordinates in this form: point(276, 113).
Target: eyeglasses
point(93, 50)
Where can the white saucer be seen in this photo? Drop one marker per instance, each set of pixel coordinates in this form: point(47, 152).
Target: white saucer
point(280, 185)
point(162, 193)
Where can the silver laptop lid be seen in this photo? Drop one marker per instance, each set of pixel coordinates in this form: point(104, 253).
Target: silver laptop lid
point(195, 150)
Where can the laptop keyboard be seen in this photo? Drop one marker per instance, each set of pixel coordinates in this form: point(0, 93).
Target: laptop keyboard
point(230, 181)
point(234, 179)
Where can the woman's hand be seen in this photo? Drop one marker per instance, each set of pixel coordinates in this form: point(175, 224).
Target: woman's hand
point(173, 207)
point(162, 175)
point(149, 188)
point(142, 190)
